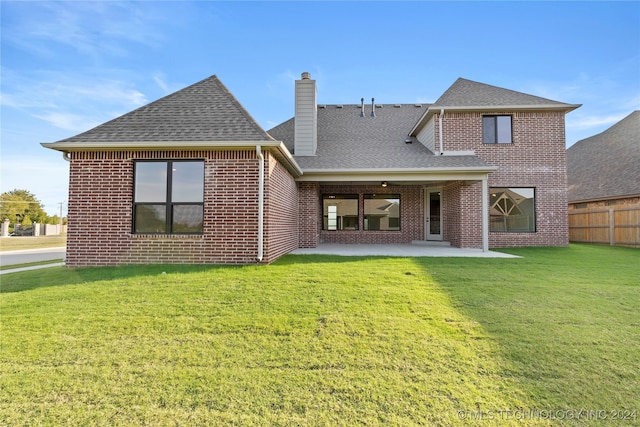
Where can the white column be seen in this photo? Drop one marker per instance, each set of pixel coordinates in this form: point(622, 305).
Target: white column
point(485, 215)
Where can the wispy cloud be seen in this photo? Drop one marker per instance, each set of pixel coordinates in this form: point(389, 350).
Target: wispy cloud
point(167, 87)
point(604, 98)
point(92, 28)
point(590, 122)
point(159, 78)
point(67, 121)
point(68, 104)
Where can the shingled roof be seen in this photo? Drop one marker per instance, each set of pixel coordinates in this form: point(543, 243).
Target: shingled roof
point(347, 141)
point(467, 93)
point(205, 111)
point(606, 165)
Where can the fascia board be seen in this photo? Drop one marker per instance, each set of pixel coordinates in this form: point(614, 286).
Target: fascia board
point(431, 174)
point(433, 109)
point(286, 154)
point(155, 145)
point(604, 198)
point(70, 147)
point(548, 107)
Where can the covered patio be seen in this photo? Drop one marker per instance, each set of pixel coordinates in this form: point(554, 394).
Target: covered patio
point(416, 249)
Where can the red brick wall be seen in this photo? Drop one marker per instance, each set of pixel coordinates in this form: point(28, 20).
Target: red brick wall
point(462, 203)
point(536, 158)
point(281, 210)
point(100, 192)
point(411, 215)
point(310, 214)
point(100, 211)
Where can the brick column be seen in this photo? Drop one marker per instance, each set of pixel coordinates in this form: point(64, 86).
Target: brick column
point(309, 213)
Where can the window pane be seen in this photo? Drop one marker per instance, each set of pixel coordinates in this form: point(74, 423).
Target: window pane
point(382, 212)
point(513, 209)
point(332, 217)
point(187, 219)
point(340, 212)
point(489, 130)
point(151, 182)
point(150, 219)
point(504, 129)
point(187, 182)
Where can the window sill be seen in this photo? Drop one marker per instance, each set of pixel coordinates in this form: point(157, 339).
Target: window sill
point(166, 236)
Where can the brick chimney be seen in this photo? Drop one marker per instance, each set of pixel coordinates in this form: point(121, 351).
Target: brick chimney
point(306, 118)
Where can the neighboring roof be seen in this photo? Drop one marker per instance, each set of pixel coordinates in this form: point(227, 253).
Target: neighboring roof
point(203, 112)
point(347, 141)
point(606, 165)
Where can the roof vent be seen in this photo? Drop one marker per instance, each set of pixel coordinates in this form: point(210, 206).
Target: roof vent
point(373, 107)
point(306, 76)
point(396, 105)
point(361, 107)
point(418, 105)
point(338, 106)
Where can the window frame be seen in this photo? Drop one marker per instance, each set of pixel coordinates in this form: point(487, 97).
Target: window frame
point(532, 215)
point(372, 196)
point(340, 223)
point(495, 118)
point(168, 202)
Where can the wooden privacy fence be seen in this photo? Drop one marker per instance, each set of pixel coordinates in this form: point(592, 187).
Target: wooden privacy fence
point(613, 225)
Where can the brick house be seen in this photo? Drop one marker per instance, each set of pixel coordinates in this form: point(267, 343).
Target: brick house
point(192, 178)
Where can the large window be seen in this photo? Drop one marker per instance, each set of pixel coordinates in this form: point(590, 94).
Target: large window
point(496, 129)
point(340, 212)
point(513, 210)
point(382, 212)
point(168, 197)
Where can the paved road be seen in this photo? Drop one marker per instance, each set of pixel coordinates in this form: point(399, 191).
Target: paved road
point(31, 255)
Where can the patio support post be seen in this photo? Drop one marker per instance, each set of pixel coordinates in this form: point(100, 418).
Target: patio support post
point(485, 215)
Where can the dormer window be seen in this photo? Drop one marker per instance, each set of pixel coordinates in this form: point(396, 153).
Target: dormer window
point(496, 130)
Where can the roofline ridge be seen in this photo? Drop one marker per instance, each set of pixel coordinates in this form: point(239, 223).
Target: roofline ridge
point(167, 96)
point(243, 110)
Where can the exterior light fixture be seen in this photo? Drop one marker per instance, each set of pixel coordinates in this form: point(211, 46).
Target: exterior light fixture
point(384, 183)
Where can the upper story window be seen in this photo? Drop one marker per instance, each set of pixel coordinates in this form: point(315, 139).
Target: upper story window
point(168, 197)
point(496, 130)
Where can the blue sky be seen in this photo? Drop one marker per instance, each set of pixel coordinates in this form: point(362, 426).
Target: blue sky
point(69, 66)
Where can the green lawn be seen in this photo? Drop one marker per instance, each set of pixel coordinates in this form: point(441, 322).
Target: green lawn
point(16, 243)
point(322, 340)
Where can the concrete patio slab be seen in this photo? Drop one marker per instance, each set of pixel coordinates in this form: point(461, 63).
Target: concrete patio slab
point(407, 250)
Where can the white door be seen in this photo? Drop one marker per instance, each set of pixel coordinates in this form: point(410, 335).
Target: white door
point(433, 214)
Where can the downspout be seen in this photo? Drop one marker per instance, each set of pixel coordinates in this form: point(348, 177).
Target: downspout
point(440, 130)
point(260, 202)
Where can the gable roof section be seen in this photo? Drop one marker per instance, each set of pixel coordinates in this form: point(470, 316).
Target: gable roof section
point(606, 165)
point(467, 95)
point(348, 142)
point(203, 112)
